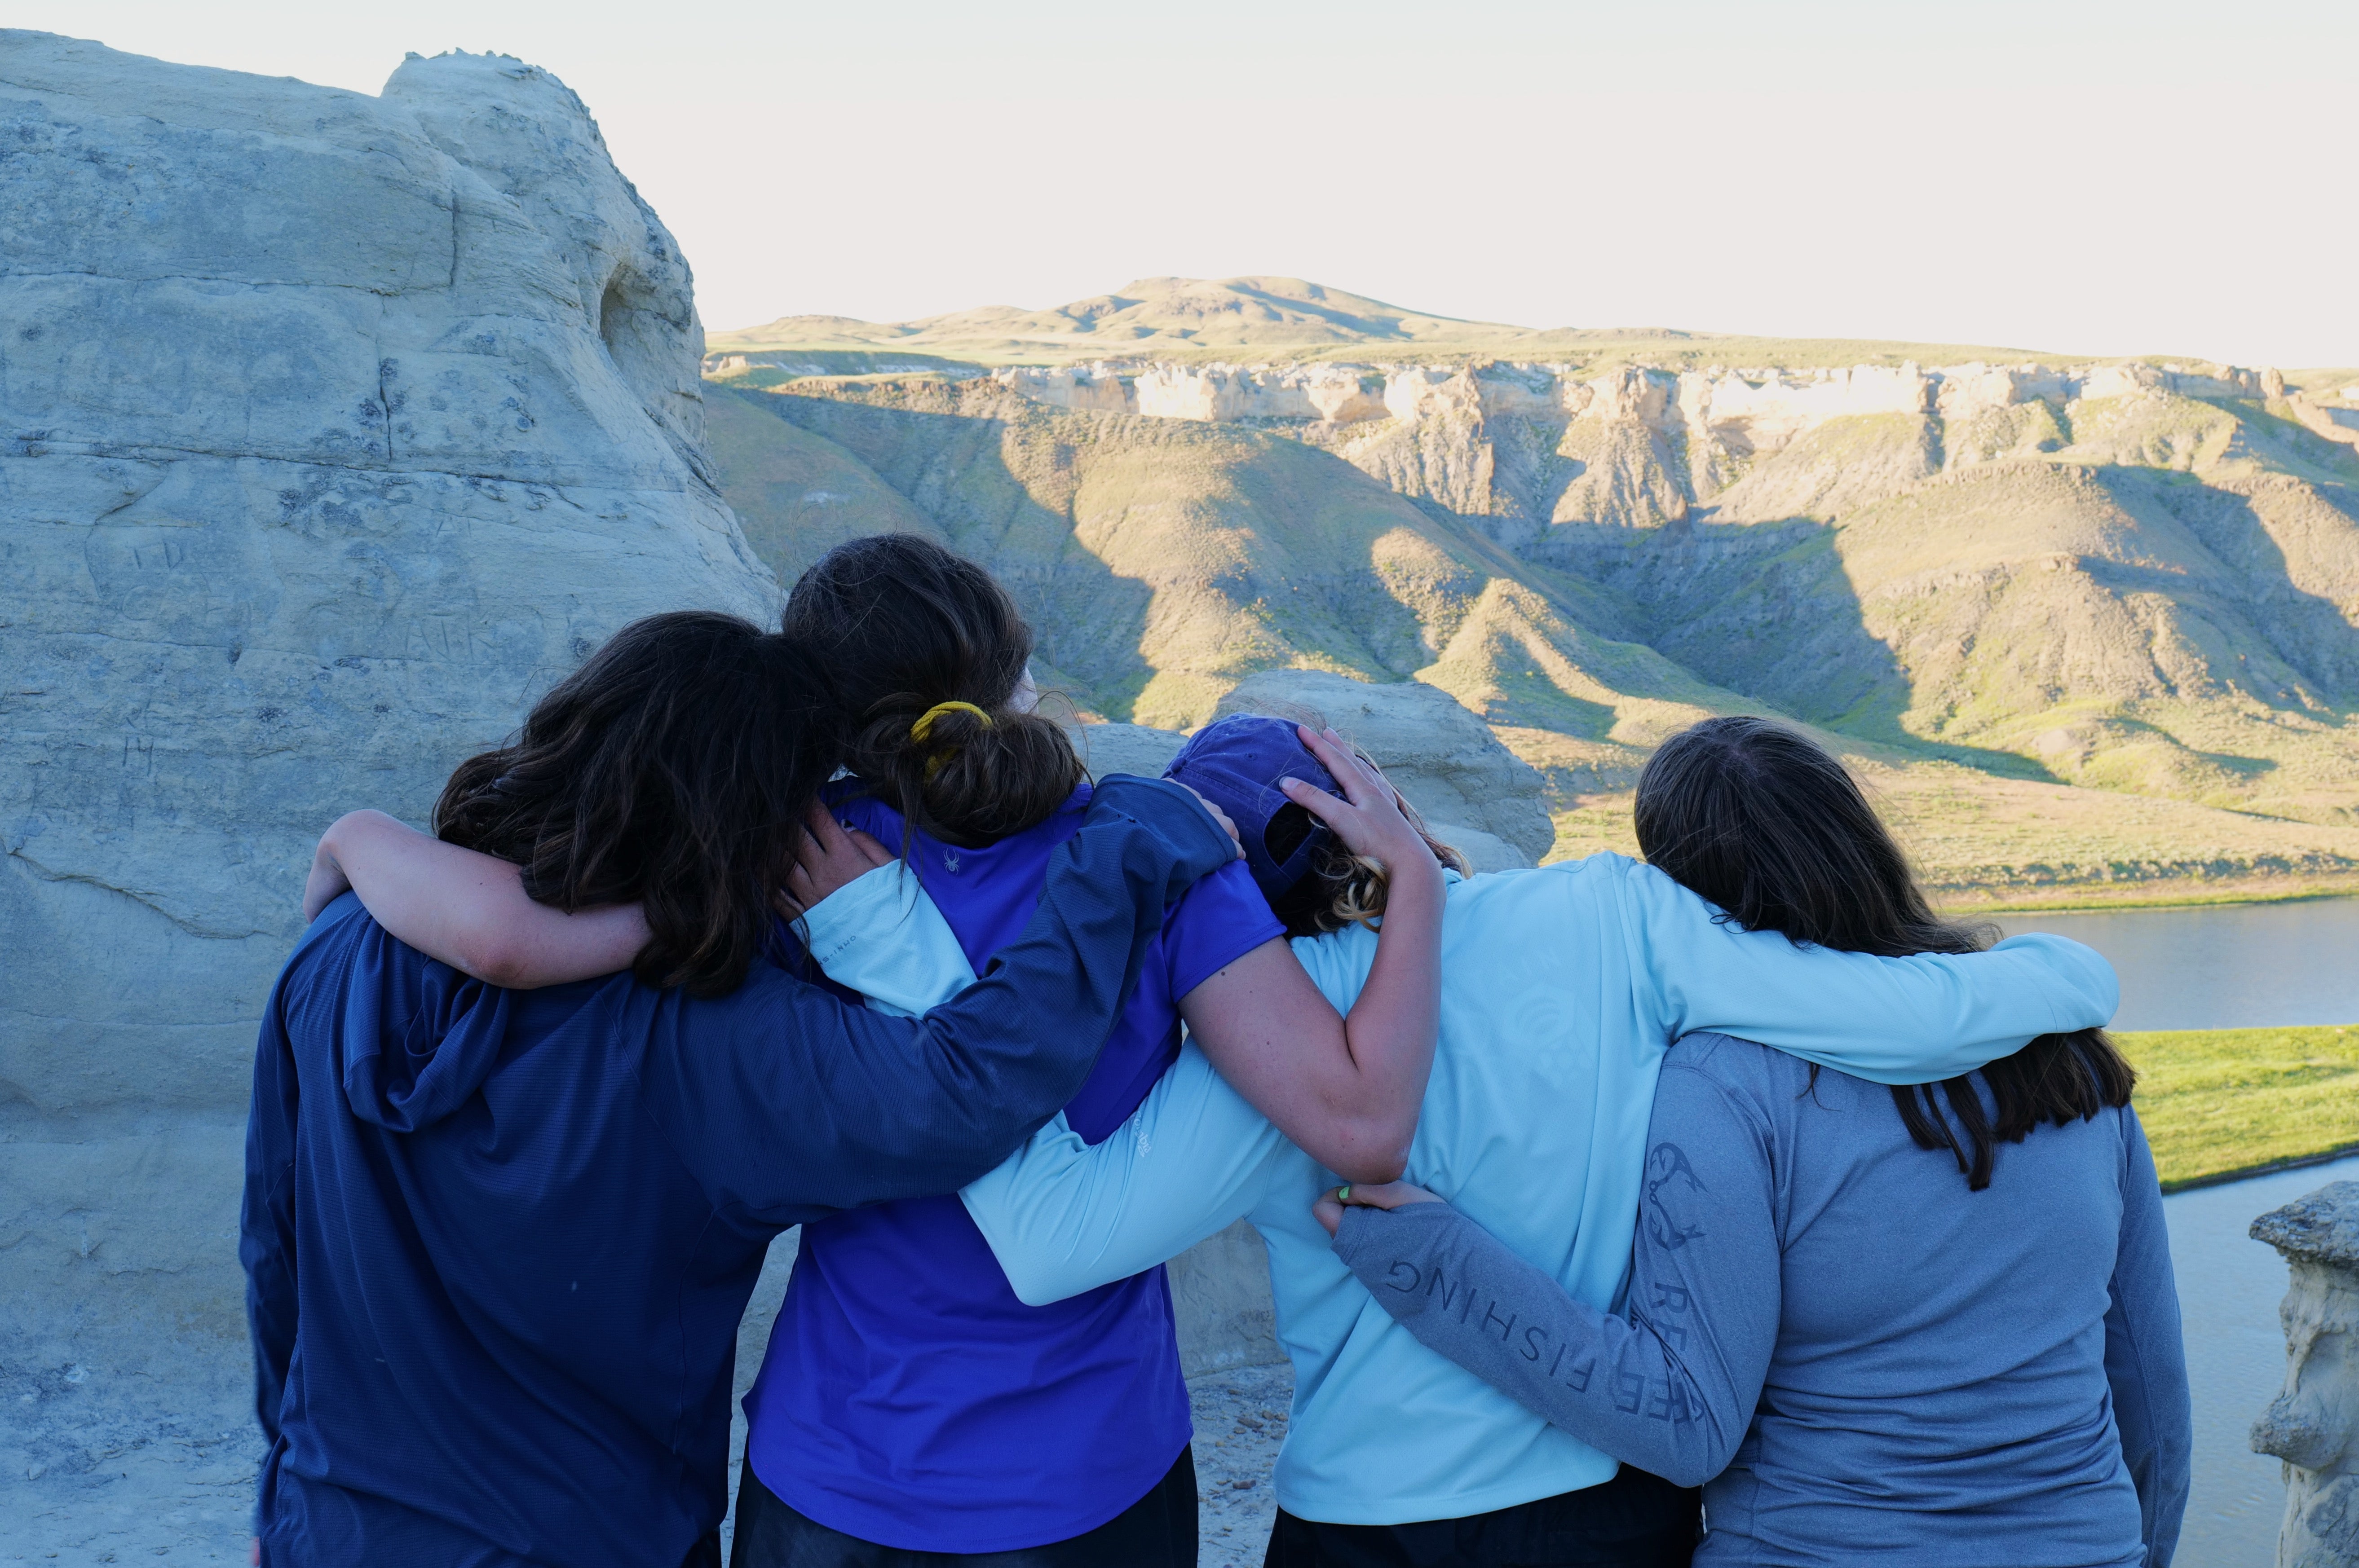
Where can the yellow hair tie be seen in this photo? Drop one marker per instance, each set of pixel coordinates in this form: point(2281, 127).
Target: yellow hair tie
point(924, 727)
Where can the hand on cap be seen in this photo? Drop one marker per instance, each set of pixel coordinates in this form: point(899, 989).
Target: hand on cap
point(832, 855)
point(1369, 821)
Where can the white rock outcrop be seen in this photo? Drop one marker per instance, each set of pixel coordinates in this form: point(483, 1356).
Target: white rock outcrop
point(1640, 444)
point(1138, 749)
point(332, 429)
point(2313, 1426)
point(1473, 791)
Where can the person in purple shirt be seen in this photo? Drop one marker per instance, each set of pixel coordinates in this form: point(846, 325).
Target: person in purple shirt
point(910, 1406)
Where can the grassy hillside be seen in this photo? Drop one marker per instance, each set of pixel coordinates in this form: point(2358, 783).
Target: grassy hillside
point(1162, 560)
point(2163, 606)
point(2094, 635)
point(2219, 1101)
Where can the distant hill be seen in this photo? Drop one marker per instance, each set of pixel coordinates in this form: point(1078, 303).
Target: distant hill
point(1189, 320)
point(2011, 593)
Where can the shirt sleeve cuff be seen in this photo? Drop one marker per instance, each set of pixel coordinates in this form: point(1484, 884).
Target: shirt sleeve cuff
point(870, 905)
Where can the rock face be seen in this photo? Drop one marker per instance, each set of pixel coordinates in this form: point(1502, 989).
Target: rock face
point(2313, 1426)
point(1137, 749)
point(336, 427)
point(1473, 791)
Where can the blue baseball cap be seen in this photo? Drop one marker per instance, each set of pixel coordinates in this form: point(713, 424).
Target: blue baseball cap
point(1236, 764)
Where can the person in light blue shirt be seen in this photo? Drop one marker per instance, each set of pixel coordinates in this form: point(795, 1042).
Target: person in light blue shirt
point(1932, 1326)
point(1561, 989)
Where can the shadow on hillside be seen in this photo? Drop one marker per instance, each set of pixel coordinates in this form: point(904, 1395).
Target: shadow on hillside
point(1764, 610)
point(1088, 621)
point(2308, 630)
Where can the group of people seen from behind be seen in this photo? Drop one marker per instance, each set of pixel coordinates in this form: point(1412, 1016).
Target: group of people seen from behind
point(1727, 1207)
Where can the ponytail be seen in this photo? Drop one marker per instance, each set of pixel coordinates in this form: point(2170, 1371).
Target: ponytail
point(972, 775)
point(928, 655)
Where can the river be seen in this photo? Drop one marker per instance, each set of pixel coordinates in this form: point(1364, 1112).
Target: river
point(2224, 967)
point(2229, 966)
point(2229, 1287)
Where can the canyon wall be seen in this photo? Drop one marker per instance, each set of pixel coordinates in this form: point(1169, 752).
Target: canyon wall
point(1747, 409)
point(337, 428)
point(2141, 577)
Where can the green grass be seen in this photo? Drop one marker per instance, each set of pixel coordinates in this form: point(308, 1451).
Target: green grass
point(2217, 1101)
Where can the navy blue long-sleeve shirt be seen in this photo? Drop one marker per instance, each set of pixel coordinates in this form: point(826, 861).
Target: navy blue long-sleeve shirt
point(497, 1243)
point(1857, 1357)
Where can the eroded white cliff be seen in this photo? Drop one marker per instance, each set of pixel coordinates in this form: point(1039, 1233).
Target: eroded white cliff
point(336, 427)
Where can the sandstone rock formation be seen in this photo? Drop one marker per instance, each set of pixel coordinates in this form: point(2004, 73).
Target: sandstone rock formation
point(1136, 749)
point(1473, 791)
point(2313, 1426)
point(337, 427)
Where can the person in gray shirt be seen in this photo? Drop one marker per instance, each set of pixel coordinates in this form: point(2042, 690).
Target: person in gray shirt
point(1858, 1322)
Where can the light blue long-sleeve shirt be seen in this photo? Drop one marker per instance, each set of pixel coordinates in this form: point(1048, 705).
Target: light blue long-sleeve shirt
point(1561, 989)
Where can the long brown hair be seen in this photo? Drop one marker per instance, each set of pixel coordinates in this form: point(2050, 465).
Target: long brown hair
point(906, 627)
point(673, 769)
point(1759, 820)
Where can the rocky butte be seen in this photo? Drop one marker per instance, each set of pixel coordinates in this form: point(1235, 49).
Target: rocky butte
point(332, 429)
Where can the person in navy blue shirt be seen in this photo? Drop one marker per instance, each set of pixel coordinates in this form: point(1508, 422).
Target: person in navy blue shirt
point(498, 1242)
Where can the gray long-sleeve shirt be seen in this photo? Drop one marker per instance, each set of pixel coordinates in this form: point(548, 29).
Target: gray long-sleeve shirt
point(1854, 1352)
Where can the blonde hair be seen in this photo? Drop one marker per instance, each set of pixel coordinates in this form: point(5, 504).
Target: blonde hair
point(1343, 889)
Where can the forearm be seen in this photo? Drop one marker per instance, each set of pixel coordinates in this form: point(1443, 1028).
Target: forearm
point(1609, 1381)
point(1893, 1021)
point(1063, 1216)
point(470, 910)
point(1390, 1031)
point(1347, 1092)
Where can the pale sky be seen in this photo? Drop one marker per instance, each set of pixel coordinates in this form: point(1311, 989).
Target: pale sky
point(2082, 176)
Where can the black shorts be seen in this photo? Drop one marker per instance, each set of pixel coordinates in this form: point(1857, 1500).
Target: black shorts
point(1635, 1521)
point(1157, 1532)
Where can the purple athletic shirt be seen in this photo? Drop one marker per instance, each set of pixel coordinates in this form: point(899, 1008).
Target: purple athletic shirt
point(907, 1397)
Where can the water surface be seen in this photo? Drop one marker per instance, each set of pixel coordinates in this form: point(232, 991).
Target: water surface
point(2230, 966)
point(2229, 1287)
point(2234, 966)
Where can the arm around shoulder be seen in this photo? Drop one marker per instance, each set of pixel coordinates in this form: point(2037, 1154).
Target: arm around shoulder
point(1891, 1020)
point(470, 910)
point(785, 1099)
point(1064, 1216)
